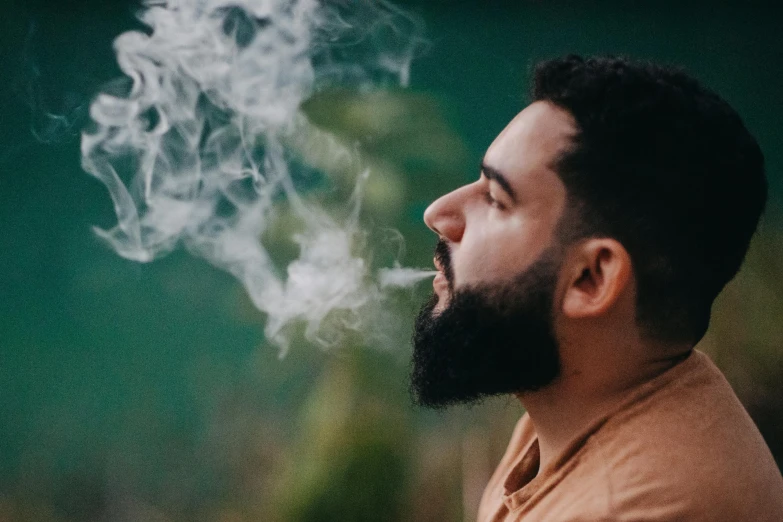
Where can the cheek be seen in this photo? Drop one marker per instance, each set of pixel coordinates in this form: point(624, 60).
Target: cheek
point(495, 251)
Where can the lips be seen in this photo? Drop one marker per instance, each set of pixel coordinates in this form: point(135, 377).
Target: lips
point(440, 284)
point(440, 281)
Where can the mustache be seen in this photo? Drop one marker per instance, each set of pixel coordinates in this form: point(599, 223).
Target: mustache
point(443, 257)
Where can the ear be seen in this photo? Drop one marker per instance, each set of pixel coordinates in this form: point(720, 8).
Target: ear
point(599, 273)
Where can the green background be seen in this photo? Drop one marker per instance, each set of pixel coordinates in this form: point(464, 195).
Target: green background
point(146, 392)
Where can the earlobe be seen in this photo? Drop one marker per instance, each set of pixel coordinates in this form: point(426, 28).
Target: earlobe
point(600, 275)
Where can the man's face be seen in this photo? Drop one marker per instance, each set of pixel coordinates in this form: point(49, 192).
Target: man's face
point(488, 328)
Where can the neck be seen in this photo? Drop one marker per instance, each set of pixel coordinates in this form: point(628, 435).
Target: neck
point(590, 385)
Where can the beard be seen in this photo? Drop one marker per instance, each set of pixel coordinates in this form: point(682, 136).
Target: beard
point(489, 340)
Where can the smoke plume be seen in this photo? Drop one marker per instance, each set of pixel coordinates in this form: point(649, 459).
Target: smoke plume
point(200, 145)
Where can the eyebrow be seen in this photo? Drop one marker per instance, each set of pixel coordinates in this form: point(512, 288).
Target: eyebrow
point(496, 175)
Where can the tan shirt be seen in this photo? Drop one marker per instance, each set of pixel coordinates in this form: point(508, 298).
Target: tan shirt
point(680, 447)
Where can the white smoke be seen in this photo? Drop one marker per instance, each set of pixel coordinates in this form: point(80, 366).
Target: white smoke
point(199, 151)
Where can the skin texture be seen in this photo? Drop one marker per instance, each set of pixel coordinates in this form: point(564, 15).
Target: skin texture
point(493, 237)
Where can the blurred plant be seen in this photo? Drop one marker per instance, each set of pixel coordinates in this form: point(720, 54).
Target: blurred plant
point(350, 459)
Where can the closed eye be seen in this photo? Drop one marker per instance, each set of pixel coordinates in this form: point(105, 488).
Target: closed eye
point(495, 175)
point(492, 201)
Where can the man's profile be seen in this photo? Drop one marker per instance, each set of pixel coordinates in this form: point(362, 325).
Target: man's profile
point(578, 273)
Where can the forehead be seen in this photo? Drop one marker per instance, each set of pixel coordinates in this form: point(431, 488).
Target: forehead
point(525, 149)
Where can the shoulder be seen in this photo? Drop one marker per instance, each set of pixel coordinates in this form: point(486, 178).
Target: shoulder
point(688, 451)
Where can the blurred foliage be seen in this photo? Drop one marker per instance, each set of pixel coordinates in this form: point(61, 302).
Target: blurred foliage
point(146, 392)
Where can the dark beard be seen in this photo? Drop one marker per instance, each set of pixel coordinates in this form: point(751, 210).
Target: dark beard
point(489, 340)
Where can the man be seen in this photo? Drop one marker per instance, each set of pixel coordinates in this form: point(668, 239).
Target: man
point(578, 273)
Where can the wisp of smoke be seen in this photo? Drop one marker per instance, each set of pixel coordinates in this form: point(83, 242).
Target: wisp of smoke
point(197, 151)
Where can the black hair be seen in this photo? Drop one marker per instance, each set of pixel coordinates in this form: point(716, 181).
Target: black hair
point(666, 167)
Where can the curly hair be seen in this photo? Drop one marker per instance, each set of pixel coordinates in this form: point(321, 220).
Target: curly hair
point(667, 168)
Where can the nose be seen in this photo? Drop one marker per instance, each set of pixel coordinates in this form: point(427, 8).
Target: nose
point(445, 216)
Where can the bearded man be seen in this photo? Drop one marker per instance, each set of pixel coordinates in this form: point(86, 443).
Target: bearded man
point(578, 273)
